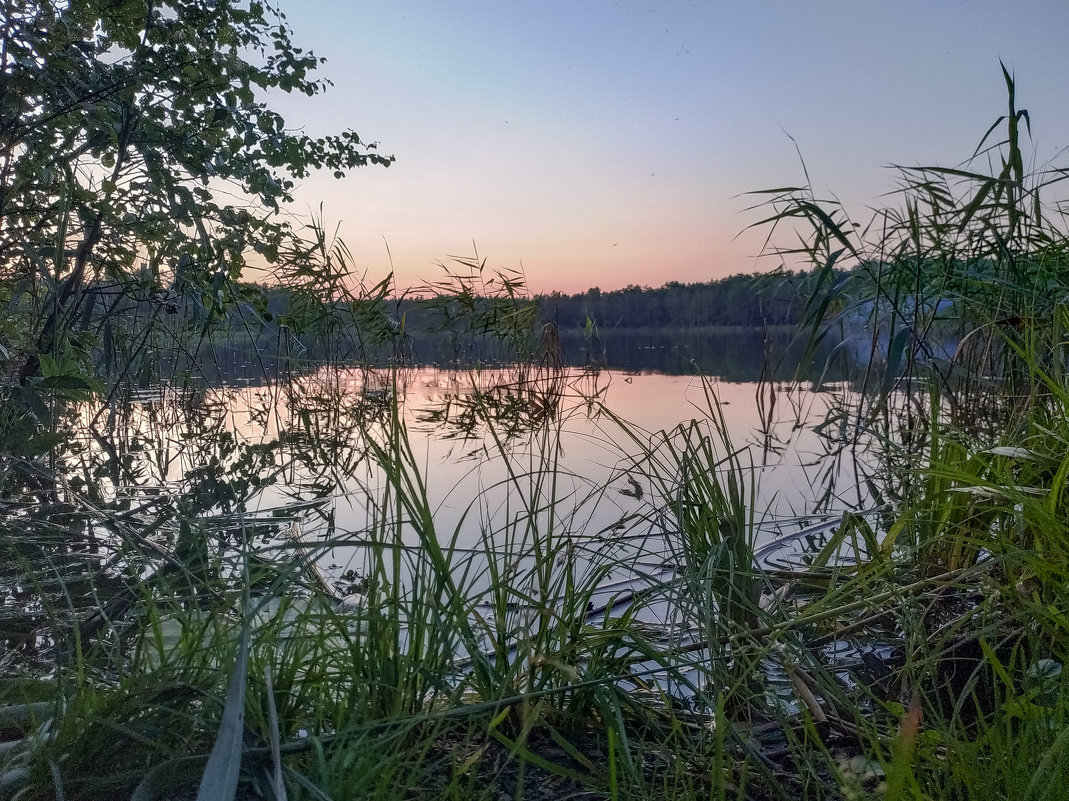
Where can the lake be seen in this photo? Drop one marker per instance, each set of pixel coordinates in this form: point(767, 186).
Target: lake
point(497, 458)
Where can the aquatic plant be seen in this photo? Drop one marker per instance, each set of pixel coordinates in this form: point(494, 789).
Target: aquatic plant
point(173, 620)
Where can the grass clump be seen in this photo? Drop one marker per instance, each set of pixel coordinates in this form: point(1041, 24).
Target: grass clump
point(176, 624)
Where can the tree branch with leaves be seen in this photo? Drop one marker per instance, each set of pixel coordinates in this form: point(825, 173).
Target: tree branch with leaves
point(136, 135)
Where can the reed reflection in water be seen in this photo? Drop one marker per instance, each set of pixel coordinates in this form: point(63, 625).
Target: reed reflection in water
point(497, 449)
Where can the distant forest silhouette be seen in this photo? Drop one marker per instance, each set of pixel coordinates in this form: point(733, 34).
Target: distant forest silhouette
point(735, 319)
point(751, 301)
point(748, 301)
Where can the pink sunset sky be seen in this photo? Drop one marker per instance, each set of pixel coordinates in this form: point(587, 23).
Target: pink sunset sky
point(612, 143)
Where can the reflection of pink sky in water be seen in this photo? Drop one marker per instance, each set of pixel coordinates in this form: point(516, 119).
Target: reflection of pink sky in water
point(478, 492)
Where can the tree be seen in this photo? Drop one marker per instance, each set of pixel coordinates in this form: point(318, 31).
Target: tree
point(136, 141)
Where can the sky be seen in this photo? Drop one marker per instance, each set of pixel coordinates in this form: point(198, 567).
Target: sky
point(607, 143)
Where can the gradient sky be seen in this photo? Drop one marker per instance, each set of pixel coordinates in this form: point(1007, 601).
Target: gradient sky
point(610, 143)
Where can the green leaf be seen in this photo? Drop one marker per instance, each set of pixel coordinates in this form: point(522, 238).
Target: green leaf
point(220, 780)
point(74, 383)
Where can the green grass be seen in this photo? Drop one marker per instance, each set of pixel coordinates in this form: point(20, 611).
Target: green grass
point(175, 641)
point(463, 670)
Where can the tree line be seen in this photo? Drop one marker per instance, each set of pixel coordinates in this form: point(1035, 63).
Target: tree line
point(747, 301)
point(751, 301)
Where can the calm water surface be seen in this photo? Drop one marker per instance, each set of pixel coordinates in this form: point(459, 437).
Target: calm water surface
point(494, 453)
point(532, 483)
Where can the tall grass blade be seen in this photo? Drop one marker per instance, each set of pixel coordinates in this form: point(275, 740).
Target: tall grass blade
point(220, 781)
point(221, 774)
point(278, 787)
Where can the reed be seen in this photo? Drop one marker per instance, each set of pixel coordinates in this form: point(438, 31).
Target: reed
point(175, 627)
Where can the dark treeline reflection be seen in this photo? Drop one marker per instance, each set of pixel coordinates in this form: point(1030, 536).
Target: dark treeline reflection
point(730, 354)
point(727, 353)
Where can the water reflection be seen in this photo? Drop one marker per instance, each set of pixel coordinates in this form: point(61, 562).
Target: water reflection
point(727, 354)
point(486, 445)
point(523, 478)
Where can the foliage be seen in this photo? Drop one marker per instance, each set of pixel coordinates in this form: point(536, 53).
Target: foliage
point(757, 300)
point(440, 665)
point(472, 304)
point(137, 151)
point(965, 281)
point(172, 618)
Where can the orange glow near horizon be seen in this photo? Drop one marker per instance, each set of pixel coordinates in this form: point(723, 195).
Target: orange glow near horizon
point(614, 145)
